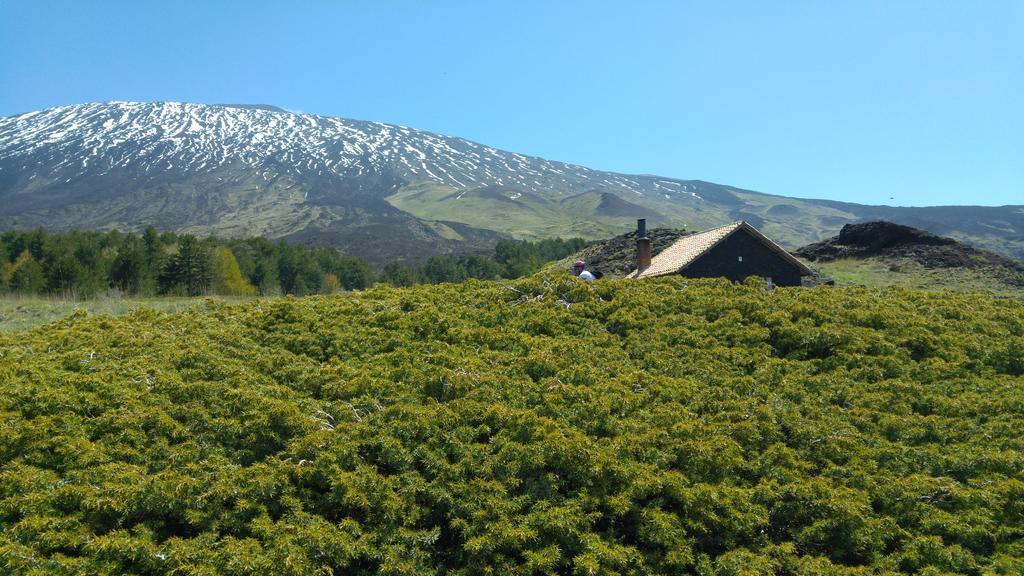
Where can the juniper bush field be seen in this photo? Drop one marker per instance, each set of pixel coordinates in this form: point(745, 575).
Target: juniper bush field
point(540, 426)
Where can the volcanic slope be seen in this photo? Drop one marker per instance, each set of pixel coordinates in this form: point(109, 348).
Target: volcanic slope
point(882, 253)
point(376, 190)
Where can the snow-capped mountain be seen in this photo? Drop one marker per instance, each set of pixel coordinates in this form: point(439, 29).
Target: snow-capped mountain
point(379, 190)
point(155, 138)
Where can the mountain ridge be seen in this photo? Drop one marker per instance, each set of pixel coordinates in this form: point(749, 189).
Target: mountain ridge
point(236, 169)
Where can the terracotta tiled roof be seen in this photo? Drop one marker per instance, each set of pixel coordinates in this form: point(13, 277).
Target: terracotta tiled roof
point(688, 248)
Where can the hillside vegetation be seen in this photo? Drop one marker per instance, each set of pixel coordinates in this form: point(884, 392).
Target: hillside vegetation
point(22, 312)
point(88, 264)
point(881, 254)
point(885, 272)
point(544, 426)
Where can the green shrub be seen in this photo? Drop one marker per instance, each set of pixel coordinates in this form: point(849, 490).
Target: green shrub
point(543, 426)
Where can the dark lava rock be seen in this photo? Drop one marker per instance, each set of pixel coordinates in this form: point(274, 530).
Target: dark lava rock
point(880, 235)
point(616, 257)
point(879, 239)
point(872, 239)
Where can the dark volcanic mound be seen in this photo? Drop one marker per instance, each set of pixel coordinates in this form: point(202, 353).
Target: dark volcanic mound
point(894, 241)
point(881, 235)
point(616, 257)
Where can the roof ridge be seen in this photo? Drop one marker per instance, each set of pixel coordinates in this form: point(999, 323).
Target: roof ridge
point(775, 247)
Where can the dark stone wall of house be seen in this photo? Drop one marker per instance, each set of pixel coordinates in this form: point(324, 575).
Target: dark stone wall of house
point(758, 260)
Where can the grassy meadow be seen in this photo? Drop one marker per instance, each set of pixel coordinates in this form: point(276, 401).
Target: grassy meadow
point(19, 312)
point(876, 273)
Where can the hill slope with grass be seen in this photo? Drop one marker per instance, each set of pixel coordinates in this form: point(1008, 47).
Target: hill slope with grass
point(545, 426)
point(886, 254)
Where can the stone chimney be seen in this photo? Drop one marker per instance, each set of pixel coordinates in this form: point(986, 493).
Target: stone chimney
point(643, 246)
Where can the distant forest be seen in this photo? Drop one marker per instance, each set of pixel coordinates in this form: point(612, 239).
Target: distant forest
point(85, 264)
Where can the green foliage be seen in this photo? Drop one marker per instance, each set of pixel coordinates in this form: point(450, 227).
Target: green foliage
point(448, 268)
point(227, 278)
point(543, 426)
point(20, 312)
point(521, 258)
point(86, 264)
point(190, 271)
point(398, 275)
point(301, 270)
point(132, 271)
point(510, 259)
point(25, 275)
point(906, 273)
point(352, 273)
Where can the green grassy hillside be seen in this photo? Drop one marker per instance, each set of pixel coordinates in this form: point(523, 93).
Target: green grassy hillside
point(547, 426)
point(882, 254)
point(792, 222)
point(883, 273)
point(595, 215)
point(521, 214)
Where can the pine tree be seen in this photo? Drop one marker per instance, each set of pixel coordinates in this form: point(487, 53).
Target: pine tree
point(3, 267)
point(398, 274)
point(65, 274)
point(189, 271)
point(353, 273)
point(155, 250)
point(131, 272)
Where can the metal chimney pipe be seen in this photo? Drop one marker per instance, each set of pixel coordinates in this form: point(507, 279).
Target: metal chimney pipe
point(643, 245)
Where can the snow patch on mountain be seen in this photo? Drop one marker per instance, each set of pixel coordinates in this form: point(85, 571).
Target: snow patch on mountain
point(152, 138)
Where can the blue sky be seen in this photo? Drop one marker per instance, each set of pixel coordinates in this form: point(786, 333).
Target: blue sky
point(895, 102)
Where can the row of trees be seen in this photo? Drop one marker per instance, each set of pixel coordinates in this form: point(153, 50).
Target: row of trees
point(510, 259)
point(153, 263)
point(88, 263)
